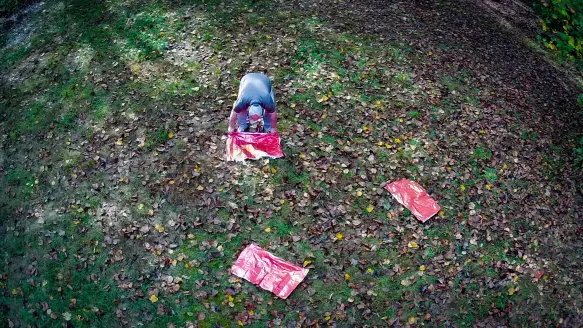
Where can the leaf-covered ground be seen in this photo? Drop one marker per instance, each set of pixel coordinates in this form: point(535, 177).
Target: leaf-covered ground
point(118, 209)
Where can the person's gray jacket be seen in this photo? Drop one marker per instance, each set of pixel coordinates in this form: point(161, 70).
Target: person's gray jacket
point(255, 88)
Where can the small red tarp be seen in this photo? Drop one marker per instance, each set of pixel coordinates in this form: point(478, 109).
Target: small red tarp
point(268, 271)
point(252, 145)
point(414, 197)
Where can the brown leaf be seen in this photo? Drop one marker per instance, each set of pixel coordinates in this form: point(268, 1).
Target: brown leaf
point(161, 310)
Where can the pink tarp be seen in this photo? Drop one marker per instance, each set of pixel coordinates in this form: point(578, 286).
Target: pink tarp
point(414, 197)
point(252, 145)
point(268, 271)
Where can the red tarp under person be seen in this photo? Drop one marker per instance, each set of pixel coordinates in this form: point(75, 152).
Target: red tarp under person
point(268, 271)
point(414, 197)
point(252, 145)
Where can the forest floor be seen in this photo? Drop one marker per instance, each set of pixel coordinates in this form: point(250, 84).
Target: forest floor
point(117, 207)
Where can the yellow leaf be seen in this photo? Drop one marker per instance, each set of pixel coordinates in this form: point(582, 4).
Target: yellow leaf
point(369, 270)
point(302, 156)
point(14, 291)
point(306, 263)
point(462, 187)
point(346, 276)
point(412, 320)
point(293, 106)
point(488, 187)
point(170, 135)
point(141, 206)
point(365, 128)
point(327, 318)
point(511, 291)
point(231, 298)
point(201, 188)
point(119, 142)
point(370, 208)
point(153, 298)
point(268, 230)
point(339, 236)
point(397, 140)
point(159, 228)
point(358, 193)
point(441, 213)
point(273, 170)
point(422, 268)
point(240, 323)
point(413, 244)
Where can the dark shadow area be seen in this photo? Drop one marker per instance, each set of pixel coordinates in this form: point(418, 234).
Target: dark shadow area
point(487, 39)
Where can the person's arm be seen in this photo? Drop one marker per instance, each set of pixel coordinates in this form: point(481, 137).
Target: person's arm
point(240, 104)
point(273, 119)
point(268, 104)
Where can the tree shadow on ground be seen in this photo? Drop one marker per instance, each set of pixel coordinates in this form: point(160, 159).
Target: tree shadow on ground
point(488, 39)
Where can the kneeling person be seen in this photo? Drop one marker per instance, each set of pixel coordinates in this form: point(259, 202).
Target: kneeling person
point(255, 102)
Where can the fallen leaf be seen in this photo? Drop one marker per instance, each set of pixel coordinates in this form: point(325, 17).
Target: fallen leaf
point(422, 268)
point(412, 320)
point(511, 291)
point(268, 230)
point(412, 244)
point(370, 208)
point(159, 228)
point(201, 188)
point(170, 135)
point(67, 316)
point(339, 236)
point(153, 298)
point(346, 276)
point(306, 263)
